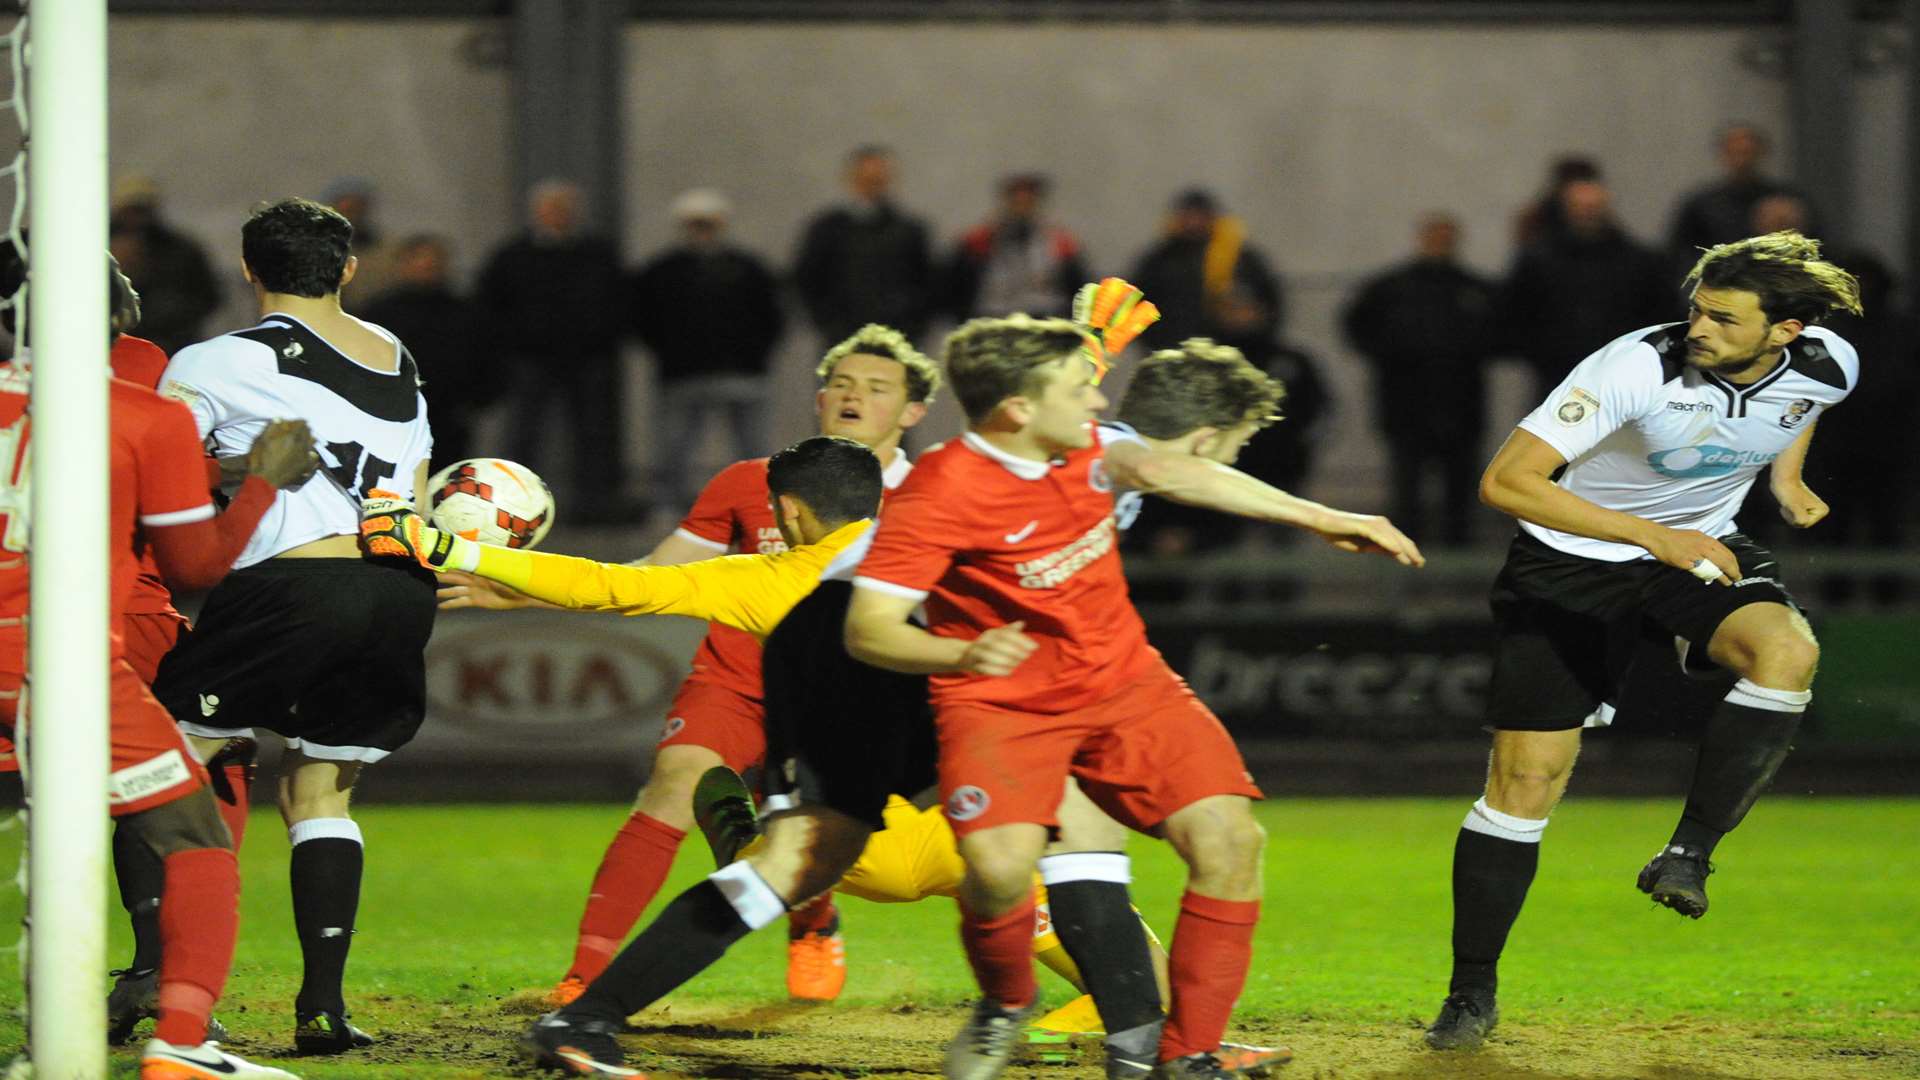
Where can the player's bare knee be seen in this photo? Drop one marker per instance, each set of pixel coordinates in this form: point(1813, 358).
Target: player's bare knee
point(188, 823)
point(1786, 660)
point(668, 793)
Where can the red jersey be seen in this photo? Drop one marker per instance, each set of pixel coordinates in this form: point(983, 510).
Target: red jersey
point(732, 514)
point(985, 539)
point(158, 480)
point(140, 361)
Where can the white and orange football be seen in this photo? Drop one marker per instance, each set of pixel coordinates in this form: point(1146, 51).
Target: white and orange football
point(491, 500)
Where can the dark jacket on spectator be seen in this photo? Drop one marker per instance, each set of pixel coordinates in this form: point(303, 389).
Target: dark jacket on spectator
point(1046, 257)
point(459, 370)
point(1428, 327)
point(1567, 296)
point(1721, 214)
point(1173, 275)
point(706, 312)
point(176, 284)
point(862, 265)
point(554, 301)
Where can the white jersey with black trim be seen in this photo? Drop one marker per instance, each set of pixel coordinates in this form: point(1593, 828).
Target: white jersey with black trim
point(1647, 434)
point(1126, 504)
point(370, 427)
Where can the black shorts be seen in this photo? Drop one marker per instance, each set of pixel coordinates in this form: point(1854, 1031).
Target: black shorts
point(328, 653)
point(1570, 627)
point(840, 734)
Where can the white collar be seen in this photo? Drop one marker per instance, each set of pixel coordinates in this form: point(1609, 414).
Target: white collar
point(896, 470)
point(1018, 466)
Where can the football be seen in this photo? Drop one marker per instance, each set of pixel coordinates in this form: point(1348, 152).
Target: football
point(491, 500)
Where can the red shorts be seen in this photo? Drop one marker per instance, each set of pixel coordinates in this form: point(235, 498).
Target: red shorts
point(151, 765)
point(724, 721)
point(1145, 752)
point(150, 635)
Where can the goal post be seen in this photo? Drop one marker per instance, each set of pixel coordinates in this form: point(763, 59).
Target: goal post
point(67, 740)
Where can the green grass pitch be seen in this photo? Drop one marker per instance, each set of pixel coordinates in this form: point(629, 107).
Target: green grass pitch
point(1807, 965)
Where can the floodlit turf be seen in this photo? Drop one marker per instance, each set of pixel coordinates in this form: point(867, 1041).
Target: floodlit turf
point(1807, 965)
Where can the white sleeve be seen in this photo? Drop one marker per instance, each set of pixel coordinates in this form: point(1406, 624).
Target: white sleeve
point(1602, 394)
point(1113, 431)
point(202, 377)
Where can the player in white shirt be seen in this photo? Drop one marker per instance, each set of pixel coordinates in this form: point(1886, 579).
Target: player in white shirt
point(1625, 482)
point(306, 638)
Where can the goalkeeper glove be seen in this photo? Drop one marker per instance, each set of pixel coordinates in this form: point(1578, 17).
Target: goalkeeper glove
point(1112, 312)
point(390, 526)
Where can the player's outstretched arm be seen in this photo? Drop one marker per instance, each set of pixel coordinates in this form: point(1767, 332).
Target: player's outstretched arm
point(748, 592)
point(1519, 481)
point(1197, 481)
point(195, 554)
point(1798, 504)
point(878, 633)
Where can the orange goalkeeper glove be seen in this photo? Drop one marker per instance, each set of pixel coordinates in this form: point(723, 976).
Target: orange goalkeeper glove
point(389, 526)
point(1113, 312)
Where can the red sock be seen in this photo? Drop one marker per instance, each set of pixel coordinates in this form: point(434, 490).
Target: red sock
point(234, 813)
point(199, 918)
point(1212, 948)
point(629, 876)
point(815, 918)
point(1001, 952)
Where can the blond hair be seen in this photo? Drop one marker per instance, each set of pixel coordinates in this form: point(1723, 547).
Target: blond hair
point(1785, 270)
point(873, 339)
point(991, 360)
point(1200, 384)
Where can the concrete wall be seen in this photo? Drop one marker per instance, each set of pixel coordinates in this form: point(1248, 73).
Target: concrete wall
point(1327, 139)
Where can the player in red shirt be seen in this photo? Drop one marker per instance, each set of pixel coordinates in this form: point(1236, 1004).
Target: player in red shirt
point(873, 387)
point(1040, 669)
point(157, 789)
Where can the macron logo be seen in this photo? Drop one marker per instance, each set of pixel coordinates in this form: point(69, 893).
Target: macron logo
point(209, 704)
point(1016, 537)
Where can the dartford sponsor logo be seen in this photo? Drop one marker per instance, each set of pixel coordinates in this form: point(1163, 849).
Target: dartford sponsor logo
point(545, 674)
point(1051, 570)
point(1692, 462)
point(136, 782)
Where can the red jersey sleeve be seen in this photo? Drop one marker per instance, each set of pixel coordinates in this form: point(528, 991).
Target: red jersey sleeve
point(172, 482)
point(922, 528)
point(137, 360)
point(715, 517)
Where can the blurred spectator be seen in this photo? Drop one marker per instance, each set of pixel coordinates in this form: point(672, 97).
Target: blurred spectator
point(176, 283)
point(552, 301)
point(1202, 262)
point(458, 370)
point(1722, 212)
point(1428, 327)
point(1543, 216)
point(865, 261)
point(353, 196)
point(1016, 260)
point(710, 312)
point(1588, 283)
point(1866, 479)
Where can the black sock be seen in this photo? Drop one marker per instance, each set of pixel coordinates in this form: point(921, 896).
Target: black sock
point(1490, 880)
point(693, 931)
point(1741, 751)
point(325, 874)
point(141, 876)
point(1097, 924)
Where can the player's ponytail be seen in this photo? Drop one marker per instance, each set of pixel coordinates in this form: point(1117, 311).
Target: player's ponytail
point(1787, 273)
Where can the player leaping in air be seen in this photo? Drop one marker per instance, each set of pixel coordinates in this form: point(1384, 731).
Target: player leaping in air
point(158, 789)
point(1625, 481)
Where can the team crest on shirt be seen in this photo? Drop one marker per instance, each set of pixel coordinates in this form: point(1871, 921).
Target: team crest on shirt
point(967, 802)
point(1797, 412)
point(675, 725)
point(1097, 477)
point(1578, 405)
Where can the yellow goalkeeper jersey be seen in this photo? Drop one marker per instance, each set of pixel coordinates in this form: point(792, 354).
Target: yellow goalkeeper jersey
point(749, 592)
